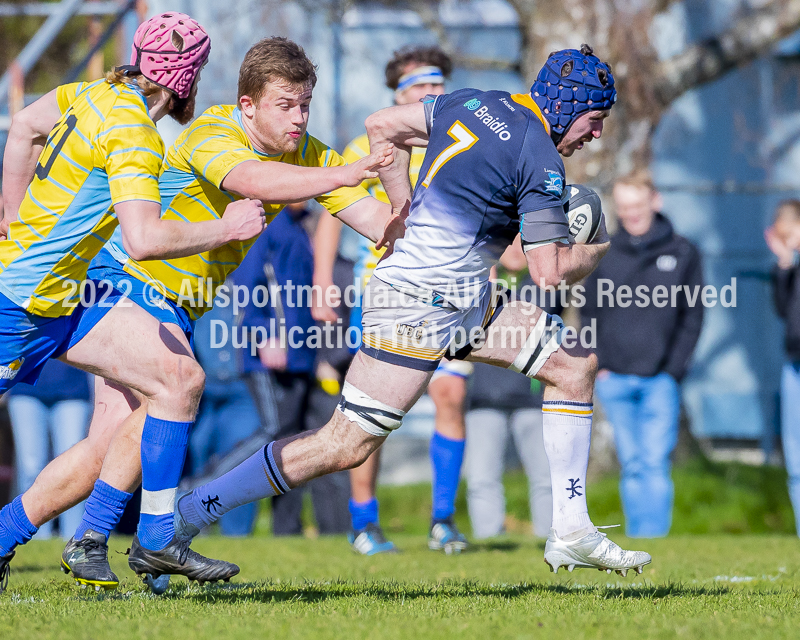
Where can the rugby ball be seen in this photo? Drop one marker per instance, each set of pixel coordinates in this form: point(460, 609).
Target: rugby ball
point(584, 212)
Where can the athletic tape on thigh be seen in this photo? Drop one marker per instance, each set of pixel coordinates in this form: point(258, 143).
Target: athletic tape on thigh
point(374, 417)
point(544, 340)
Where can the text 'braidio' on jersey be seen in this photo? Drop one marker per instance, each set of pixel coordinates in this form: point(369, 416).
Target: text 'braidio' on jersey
point(491, 171)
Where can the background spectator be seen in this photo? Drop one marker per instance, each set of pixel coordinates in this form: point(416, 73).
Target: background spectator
point(47, 419)
point(502, 403)
point(285, 249)
point(783, 239)
point(644, 351)
point(228, 415)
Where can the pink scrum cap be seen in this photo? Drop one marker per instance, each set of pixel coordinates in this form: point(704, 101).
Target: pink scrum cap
point(170, 49)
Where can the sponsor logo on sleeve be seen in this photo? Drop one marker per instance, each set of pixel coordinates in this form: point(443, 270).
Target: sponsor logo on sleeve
point(554, 183)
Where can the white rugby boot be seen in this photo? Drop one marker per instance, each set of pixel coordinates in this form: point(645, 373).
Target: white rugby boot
point(592, 551)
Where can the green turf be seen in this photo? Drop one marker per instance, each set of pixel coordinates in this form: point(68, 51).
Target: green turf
point(709, 498)
point(710, 585)
point(698, 587)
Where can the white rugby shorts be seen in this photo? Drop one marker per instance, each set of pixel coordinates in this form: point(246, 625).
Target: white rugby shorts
point(417, 329)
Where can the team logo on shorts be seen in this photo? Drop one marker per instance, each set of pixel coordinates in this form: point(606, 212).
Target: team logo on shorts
point(554, 183)
point(472, 104)
point(10, 371)
point(414, 332)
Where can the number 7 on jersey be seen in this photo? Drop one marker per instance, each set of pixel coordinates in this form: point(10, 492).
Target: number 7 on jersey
point(464, 139)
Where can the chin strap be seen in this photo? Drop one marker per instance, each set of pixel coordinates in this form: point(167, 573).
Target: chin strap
point(129, 69)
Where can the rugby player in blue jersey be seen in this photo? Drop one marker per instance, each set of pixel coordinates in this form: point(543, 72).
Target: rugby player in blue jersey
point(492, 170)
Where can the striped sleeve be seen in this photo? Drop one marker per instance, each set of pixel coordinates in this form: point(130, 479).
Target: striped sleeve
point(320, 155)
point(133, 152)
point(66, 94)
point(216, 149)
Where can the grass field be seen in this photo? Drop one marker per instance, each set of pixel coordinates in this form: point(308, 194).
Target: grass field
point(709, 585)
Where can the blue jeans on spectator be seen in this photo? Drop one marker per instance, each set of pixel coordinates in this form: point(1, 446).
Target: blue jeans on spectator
point(790, 431)
point(644, 412)
point(40, 429)
point(227, 416)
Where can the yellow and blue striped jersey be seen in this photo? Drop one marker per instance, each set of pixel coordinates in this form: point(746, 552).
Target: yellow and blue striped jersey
point(104, 150)
point(191, 188)
point(368, 255)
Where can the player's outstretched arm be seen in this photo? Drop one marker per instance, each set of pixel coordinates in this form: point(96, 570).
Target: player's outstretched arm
point(375, 220)
point(404, 126)
point(146, 236)
point(279, 182)
point(553, 263)
point(26, 139)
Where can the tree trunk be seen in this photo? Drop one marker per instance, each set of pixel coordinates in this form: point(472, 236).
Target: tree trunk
point(619, 31)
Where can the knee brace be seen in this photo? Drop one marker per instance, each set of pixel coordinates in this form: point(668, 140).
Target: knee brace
point(374, 417)
point(544, 340)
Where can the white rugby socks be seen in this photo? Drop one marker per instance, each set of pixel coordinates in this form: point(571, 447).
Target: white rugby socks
point(567, 430)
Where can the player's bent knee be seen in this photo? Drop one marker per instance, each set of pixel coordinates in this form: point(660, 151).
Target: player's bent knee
point(543, 341)
point(196, 379)
point(184, 376)
point(374, 417)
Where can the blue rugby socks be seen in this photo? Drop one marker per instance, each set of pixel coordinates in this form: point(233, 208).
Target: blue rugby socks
point(15, 528)
point(164, 445)
point(447, 457)
point(103, 510)
point(363, 513)
point(256, 478)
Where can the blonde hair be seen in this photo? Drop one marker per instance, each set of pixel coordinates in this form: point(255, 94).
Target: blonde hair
point(788, 209)
point(118, 76)
point(641, 178)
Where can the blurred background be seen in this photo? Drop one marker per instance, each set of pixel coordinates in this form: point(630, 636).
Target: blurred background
point(709, 100)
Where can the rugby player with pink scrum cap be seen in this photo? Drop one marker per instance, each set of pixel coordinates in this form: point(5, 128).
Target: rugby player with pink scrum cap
point(100, 165)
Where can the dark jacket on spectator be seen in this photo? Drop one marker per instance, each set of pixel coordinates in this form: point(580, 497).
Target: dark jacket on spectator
point(648, 340)
point(786, 292)
point(57, 383)
point(286, 246)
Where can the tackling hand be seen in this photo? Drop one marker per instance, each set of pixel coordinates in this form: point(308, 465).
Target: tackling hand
point(367, 167)
point(245, 219)
point(394, 229)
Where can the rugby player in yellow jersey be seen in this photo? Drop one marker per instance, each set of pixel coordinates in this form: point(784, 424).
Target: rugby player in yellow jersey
point(412, 73)
point(97, 168)
point(227, 154)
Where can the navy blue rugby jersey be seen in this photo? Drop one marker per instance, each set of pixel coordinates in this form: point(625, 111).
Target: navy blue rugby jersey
point(491, 171)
